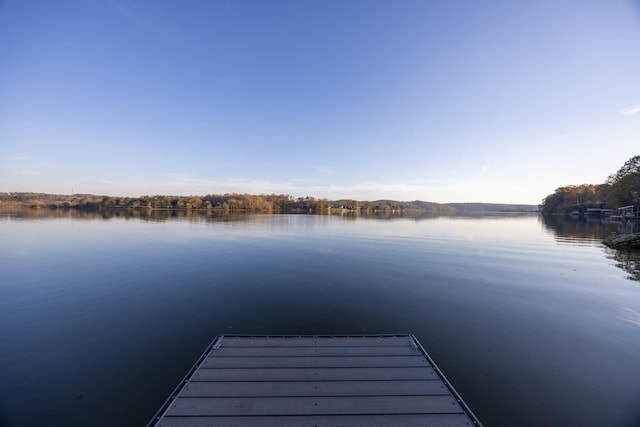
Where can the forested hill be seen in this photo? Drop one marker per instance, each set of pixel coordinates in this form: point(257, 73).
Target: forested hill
point(621, 188)
point(274, 203)
point(488, 208)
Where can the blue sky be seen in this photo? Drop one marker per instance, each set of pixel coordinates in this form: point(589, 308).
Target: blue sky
point(444, 101)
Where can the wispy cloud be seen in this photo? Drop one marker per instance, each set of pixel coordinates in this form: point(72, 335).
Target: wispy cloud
point(427, 189)
point(483, 171)
point(430, 189)
point(635, 109)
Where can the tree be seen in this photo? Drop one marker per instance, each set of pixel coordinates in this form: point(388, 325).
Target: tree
point(624, 185)
point(573, 197)
point(621, 189)
point(631, 167)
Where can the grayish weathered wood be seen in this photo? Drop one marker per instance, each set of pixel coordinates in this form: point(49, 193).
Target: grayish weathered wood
point(225, 351)
point(355, 405)
point(314, 374)
point(315, 362)
point(315, 381)
point(422, 420)
point(314, 388)
point(337, 341)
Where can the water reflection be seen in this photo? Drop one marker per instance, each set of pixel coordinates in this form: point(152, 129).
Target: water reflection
point(629, 261)
point(567, 230)
point(19, 212)
point(198, 216)
point(22, 213)
point(628, 227)
point(514, 318)
point(631, 316)
point(577, 231)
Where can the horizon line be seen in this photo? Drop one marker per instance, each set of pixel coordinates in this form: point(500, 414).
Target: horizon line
point(265, 194)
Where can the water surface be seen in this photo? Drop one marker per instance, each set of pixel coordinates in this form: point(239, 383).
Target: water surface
point(534, 322)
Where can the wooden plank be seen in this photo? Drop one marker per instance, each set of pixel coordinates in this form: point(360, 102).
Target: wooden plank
point(422, 420)
point(315, 351)
point(314, 341)
point(311, 362)
point(319, 381)
point(311, 374)
point(314, 388)
point(360, 405)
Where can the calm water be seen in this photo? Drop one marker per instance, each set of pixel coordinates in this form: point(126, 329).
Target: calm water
point(100, 317)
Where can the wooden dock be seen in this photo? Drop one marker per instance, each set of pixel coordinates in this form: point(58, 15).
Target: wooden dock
point(383, 380)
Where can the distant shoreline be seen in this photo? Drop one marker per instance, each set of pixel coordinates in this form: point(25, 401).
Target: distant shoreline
point(249, 203)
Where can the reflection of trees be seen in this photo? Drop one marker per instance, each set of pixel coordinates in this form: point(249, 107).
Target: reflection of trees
point(23, 213)
point(629, 261)
point(160, 215)
point(203, 215)
point(568, 230)
point(576, 232)
point(17, 213)
point(20, 213)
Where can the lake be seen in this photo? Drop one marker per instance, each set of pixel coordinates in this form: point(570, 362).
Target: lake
point(101, 315)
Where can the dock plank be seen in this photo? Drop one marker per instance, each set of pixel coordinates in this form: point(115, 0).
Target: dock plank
point(356, 405)
point(315, 351)
point(314, 388)
point(312, 362)
point(337, 341)
point(315, 381)
point(314, 374)
point(422, 420)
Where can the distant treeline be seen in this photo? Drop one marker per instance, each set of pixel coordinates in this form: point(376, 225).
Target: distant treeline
point(620, 189)
point(273, 203)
